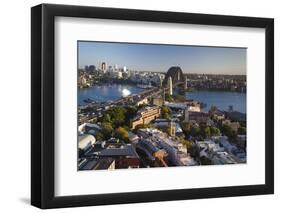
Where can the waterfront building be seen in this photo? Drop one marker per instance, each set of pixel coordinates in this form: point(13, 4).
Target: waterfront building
point(146, 115)
point(191, 108)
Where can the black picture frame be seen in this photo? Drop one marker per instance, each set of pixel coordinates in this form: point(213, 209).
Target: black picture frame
point(43, 102)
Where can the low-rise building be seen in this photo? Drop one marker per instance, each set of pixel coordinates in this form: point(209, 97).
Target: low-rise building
point(110, 156)
point(146, 115)
point(86, 141)
point(217, 114)
point(154, 140)
point(96, 164)
point(199, 117)
point(159, 123)
point(221, 158)
point(142, 102)
point(158, 101)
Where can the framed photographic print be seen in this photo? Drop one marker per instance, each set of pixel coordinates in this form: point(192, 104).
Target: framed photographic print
point(140, 106)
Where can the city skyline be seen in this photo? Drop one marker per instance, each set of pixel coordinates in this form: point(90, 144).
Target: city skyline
point(159, 57)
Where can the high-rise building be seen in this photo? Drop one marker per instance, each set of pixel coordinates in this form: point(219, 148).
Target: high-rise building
point(91, 68)
point(103, 66)
point(170, 84)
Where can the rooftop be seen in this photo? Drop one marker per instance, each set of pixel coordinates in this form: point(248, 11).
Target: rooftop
point(113, 151)
point(96, 164)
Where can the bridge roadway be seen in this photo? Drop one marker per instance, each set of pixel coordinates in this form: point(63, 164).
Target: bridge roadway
point(133, 99)
point(136, 97)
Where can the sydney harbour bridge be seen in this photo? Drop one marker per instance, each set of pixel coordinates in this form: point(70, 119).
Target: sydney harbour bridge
point(174, 75)
point(177, 77)
point(174, 78)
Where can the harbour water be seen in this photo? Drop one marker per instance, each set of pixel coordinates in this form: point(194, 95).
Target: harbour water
point(220, 99)
point(106, 92)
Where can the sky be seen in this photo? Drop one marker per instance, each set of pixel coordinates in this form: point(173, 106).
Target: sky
point(160, 57)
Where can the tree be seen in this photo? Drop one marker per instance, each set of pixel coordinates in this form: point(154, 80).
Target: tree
point(226, 130)
point(99, 136)
point(122, 134)
point(207, 132)
point(195, 131)
point(117, 115)
point(186, 126)
point(168, 97)
point(166, 112)
point(187, 143)
point(106, 118)
point(131, 112)
point(242, 130)
point(215, 131)
point(166, 109)
point(179, 98)
point(106, 129)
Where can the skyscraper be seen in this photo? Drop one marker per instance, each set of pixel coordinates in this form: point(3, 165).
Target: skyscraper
point(103, 66)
